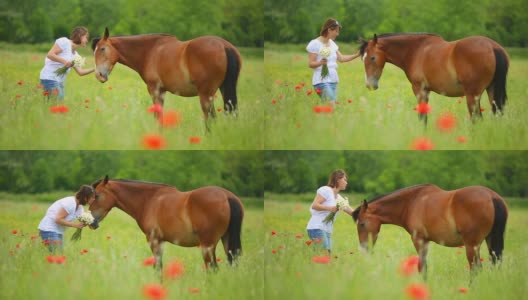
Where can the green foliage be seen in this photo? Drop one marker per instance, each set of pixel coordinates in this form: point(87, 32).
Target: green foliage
point(238, 21)
point(298, 21)
point(380, 172)
point(45, 171)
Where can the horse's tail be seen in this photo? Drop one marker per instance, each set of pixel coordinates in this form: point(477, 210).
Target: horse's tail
point(234, 248)
point(228, 87)
point(496, 235)
point(499, 78)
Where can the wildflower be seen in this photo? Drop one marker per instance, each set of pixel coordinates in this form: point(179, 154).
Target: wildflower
point(308, 242)
point(20, 82)
point(463, 290)
point(309, 92)
point(422, 143)
point(273, 232)
point(318, 91)
point(194, 140)
point(298, 236)
point(410, 265)
point(174, 270)
point(423, 108)
point(322, 109)
point(59, 109)
point(273, 101)
point(446, 122)
point(461, 139)
point(170, 119)
point(153, 142)
point(417, 291)
point(149, 261)
point(321, 259)
point(15, 231)
point(194, 290)
point(349, 100)
point(154, 291)
point(156, 108)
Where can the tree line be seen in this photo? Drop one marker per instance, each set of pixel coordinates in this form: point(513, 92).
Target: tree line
point(299, 21)
point(29, 21)
point(380, 172)
point(46, 171)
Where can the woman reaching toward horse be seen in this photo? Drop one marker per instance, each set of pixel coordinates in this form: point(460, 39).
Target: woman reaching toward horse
point(62, 55)
point(323, 55)
point(324, 209)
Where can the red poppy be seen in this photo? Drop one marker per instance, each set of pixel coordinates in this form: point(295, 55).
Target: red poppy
point(321, 259)
point(273, 232)
point(423, 108)
point(45, 93)
point(278, 82)
point(298, 87)
point(84, 250)
point(156, 108)
point(417, 291)
point(55, 92)
point(149, 261)
point(59, 109)
point(410, 265)
point(15, 231)
point(482, 109)
point(60, 259)
point(153, 142)
point(18, 96)
point(86, 100)
point(20, 82)
point(154, 291)
point(318, 91)
point(302, 84)
point(50, 259)
point(309, 92)
point(280, 246)
point(273, 251)
point(33, 237)
point(194, 140)
point(317, 241)
point(298, 236)
point(174, 270)
point(170, 119)
point(461, 139)
point(463, 290)
point(422, 143)
point(108, 237)
point(446, 122)
point(349, 100)
point(219, 109)
point(110, 88)
point(308, 242)
point(322, 109)
point(273, 101)
point(194, 290)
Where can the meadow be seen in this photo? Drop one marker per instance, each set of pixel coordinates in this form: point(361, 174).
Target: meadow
point(384, 119)
point(352, 274)
point(113, 115)
point(109, 262)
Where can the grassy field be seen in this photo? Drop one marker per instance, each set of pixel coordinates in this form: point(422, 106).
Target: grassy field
point(351, 274)
point(381, 119)
point(108, 263)
point(114, 115)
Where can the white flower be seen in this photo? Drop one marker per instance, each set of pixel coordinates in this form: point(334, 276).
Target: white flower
point(86, 218)
point(324, 52)
point(78, 61)
point(342, 202)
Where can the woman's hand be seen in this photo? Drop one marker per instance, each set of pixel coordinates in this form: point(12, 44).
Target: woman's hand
point(79, 225)
point(323, 61)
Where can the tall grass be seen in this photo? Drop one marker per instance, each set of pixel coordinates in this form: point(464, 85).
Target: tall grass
point(114, 115)
point(351, 274)
point(113, 266)
point(381, 119)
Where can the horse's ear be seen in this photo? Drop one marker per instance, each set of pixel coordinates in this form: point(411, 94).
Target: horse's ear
point(105, 181)
point(364, 206)
point(375, 39)
point(106, 33)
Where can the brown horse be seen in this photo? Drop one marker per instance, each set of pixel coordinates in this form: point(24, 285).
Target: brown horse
point(200, 217)
point(465, 216)
point(464, 67)
point(198, 67)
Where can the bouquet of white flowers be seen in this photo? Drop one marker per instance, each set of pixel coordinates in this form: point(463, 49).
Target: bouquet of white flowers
point(78, 61)
point(341, 203)
point(85, 218)
point(325, 53)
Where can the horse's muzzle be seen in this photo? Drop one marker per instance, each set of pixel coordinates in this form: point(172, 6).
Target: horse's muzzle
point(95, 224)
point(372, 86)
point(102, 78)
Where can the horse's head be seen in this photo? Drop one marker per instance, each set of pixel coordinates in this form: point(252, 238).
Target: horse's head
point(104, 201)
point(374, 59)
point(368, 225)
point(106, 56)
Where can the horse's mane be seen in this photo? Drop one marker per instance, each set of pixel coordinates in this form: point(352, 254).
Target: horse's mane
point(364, 43)
point(96, 183)
point(96, 40)
point(355, 214)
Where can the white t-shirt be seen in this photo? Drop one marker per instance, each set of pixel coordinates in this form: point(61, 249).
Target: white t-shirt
point(48, 222)
point(316, 221)
point(315, 47)
point(50, 66)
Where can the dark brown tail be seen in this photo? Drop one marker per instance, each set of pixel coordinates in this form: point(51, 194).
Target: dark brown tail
point(234, 229)
point(229, 86)
point(496, 235)
point(499, 78)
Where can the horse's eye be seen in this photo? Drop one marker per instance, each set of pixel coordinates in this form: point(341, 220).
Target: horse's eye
point(372, 58)
point(103, 48)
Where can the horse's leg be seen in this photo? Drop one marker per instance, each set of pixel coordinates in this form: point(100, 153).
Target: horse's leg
point(158, 96)
point(422, 95)
point(473, 257)
point(156, 246)
point(473, 104)
point(422, 247)
point(206, 101)
point(491, 98)
point(209, 255)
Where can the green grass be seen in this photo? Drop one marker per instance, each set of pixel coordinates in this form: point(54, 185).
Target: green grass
point(114, 115)
point(351, 274)
point(112, 268)
point(381, 119)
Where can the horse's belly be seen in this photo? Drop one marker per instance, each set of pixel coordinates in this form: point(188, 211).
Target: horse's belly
point(184, 240)
point(182, 89)
point(449, 87)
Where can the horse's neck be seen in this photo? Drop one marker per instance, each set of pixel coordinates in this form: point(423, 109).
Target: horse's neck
point(392, 207)
point(398, 49)
point(130, 203)
point(132, 50)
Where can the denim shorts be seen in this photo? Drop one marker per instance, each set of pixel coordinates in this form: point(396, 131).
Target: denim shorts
point(325, 237)
point(328, 90)
point(53, 240)
point(54, 88)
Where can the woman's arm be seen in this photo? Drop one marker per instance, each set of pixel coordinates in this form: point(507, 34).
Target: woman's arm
point(317, 204)
point(83, 72)
point(345, 58)
point(53, 54)
point(312, 61)
point(61, 219)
